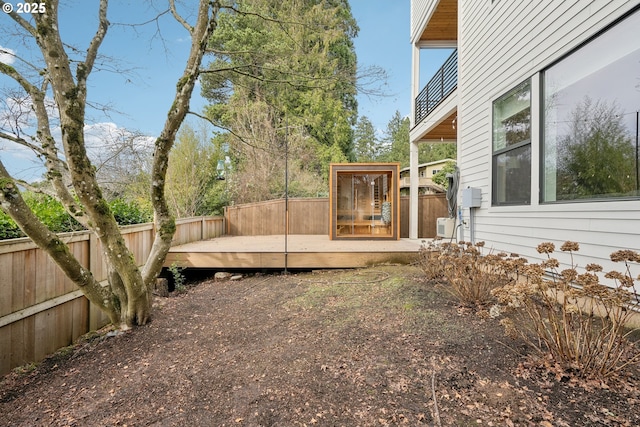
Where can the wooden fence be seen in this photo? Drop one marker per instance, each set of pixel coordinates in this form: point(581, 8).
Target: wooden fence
point(311, 216)
point(430, 207)
point(41, 310)
point(306, 216)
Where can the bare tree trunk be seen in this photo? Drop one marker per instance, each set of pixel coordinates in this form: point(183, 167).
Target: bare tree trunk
point(127, 299)
point(12, 202)
point(70, 96)
point(165, 223)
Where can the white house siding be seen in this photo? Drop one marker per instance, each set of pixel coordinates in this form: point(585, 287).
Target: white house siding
point(502, 43)
point(420, 11)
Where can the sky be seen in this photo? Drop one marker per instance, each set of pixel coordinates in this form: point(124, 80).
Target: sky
point(383, 41)
point(153, 56)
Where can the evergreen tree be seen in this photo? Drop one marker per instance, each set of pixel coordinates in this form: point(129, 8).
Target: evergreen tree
point(432, 152)
point(597, 156)
point(440, 177)
point(395, 146)
point(365, 142)
point(284, 71)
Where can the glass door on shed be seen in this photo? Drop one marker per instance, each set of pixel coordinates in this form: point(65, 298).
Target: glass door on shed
point(363, 204)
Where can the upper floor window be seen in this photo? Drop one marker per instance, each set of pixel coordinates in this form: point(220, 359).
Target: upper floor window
point(512, 147)
point(590, 111)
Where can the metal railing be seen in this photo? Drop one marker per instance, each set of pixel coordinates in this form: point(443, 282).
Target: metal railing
point(439, 87)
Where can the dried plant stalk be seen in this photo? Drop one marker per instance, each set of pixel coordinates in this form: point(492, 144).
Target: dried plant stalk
point(576, 320)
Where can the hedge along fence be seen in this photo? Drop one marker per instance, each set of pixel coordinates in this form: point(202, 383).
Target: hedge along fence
point(41, 310)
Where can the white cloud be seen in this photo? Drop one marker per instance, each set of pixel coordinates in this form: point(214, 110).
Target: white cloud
point(99, 136)
point(17, 115)
point(7, 56)
point(21, 162)
point(104, 141)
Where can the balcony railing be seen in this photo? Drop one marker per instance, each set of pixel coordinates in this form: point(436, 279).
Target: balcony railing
point(439, 87)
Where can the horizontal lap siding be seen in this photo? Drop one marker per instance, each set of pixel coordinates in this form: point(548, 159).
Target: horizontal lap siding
point(502, 43)
point(419, 10)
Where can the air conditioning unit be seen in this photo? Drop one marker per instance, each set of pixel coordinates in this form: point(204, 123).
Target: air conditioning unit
point(445, 227)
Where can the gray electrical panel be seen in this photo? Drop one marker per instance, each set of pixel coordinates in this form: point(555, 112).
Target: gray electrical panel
point(471, 197)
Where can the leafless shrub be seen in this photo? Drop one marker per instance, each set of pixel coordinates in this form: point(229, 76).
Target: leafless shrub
point(570, 318)
point(429, 259)
point(574, 319)
point(465, 272)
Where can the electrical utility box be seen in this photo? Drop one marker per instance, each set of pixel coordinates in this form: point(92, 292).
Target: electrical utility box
point(471, 197)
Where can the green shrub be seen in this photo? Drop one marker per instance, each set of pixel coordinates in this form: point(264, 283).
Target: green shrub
point(127, 213)
point(53, 215)
point(8, 228)
point(179, 278)
point(47, 209)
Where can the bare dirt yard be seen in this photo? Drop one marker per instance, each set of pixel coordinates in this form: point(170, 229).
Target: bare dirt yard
point(369, 347)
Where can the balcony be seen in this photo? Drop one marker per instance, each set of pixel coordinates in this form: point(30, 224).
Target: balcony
point(441, 85)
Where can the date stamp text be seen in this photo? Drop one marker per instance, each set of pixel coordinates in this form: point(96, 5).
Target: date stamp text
point(21, 8)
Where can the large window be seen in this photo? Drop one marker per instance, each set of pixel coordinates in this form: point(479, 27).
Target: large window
point(512, 147)
point(590, 111)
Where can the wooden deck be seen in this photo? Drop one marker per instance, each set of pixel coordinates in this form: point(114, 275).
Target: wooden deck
point(303, 252)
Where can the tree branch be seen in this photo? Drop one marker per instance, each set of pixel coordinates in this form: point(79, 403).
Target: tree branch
point(303, 84)
point(85, 68)
point(20, 59)
point(11, 72)
point(261, 16)
point(206, 23)
point(34, 189)
point(14, 205)
point(180, 19)
point(21, 141)
point(20, 20)
point(231, 131)
point(57, 170)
